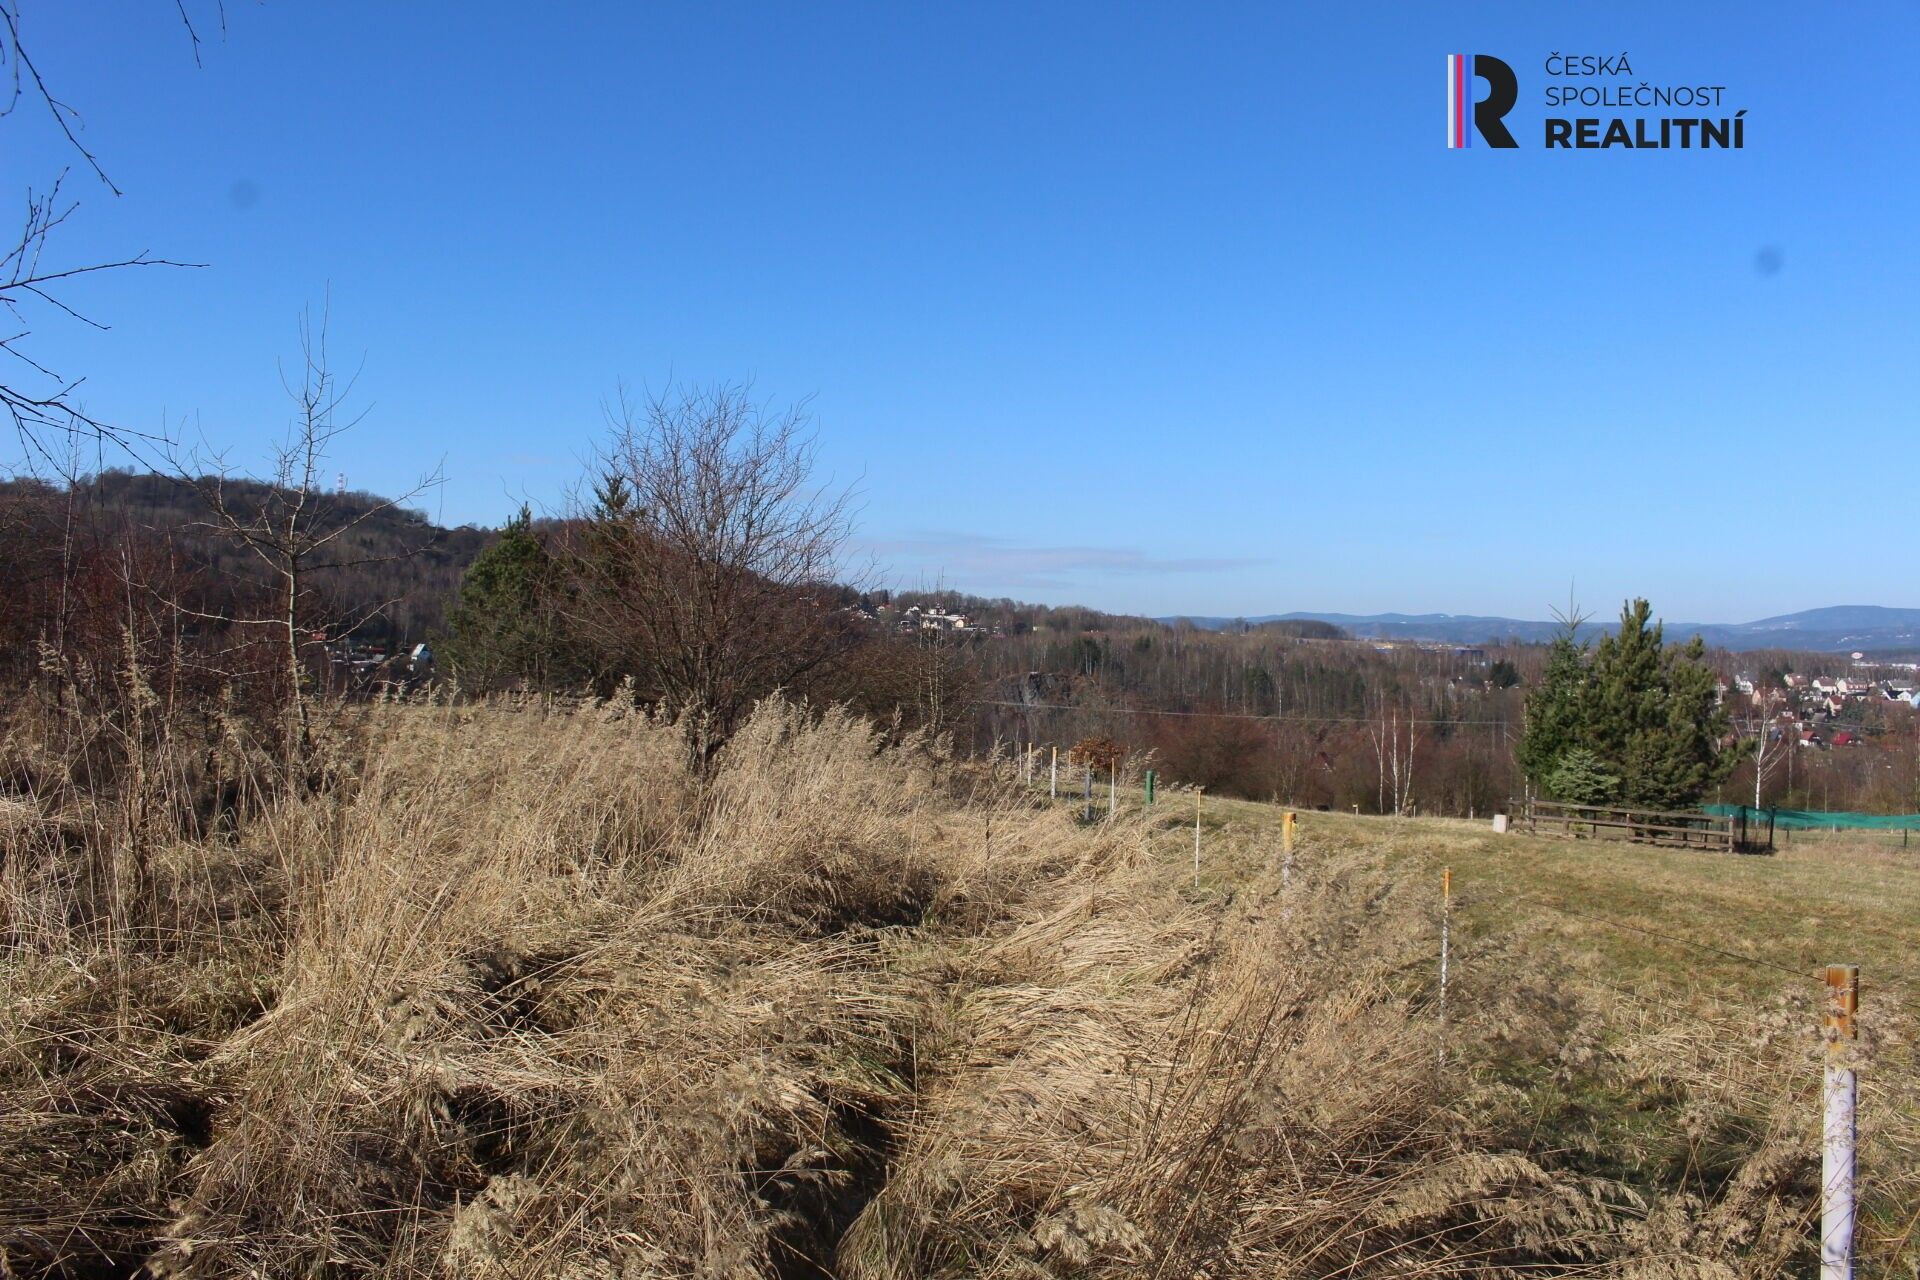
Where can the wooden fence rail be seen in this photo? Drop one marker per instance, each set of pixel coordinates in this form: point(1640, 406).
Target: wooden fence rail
point(1648, 826)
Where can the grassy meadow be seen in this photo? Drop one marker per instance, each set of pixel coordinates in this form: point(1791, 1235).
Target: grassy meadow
point(1639, 952)
point(513, 995)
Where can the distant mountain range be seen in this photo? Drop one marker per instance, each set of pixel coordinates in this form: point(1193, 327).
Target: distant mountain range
point(1836, 629)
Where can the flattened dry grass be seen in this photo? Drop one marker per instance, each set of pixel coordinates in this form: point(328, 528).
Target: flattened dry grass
point(518, 996)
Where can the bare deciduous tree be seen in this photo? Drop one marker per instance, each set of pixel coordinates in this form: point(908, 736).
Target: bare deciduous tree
point(944, 685)
point(40, 401)
point(293, 529)
point(1394, 735)
point(707, 570)
point(1771, 746)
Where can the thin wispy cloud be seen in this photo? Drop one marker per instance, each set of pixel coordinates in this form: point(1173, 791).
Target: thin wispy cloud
point(971, 561)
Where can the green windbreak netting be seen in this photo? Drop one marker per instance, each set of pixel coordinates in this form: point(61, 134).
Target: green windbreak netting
point(1813, 819)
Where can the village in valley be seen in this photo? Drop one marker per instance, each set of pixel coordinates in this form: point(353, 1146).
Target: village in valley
point(1823, 711)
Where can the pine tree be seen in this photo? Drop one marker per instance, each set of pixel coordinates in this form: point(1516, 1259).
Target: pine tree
point(1642, 715)
point(1678, 759)
point(499, 629)
point(1655, 715)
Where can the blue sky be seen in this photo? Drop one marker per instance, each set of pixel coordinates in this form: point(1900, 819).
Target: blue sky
point(1162, 309)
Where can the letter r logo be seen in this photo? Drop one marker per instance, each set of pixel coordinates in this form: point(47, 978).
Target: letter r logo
point(1464, 115)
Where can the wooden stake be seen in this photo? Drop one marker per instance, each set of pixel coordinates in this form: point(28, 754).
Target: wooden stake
point(1113, 789)
point(1053, 781)
point(1286, 865)
point(1196, 833)
point(1838, 1131)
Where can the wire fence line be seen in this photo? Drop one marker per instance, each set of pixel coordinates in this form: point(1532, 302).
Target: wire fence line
point(1748, 958)
point(1483, 892)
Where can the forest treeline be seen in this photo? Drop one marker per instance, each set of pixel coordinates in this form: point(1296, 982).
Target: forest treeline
point(121, 582)
point(404, 570)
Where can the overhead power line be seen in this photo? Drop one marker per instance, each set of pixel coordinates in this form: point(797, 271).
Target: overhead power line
point(1236, 715)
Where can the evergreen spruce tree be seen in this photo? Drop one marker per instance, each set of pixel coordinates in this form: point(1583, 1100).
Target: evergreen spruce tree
point(1581, 777)
point(1556, 712)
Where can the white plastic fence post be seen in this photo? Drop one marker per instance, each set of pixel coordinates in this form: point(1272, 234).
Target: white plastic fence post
point(1837, 1134)
point(1053, 782)
point(1446, 929)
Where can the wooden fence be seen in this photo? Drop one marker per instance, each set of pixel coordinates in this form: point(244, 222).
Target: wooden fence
point(1734, 834)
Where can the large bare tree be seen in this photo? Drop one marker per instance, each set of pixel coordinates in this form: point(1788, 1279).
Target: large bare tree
point(706, 570)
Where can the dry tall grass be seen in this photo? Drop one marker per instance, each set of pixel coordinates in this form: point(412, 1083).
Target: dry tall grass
point(516, 996)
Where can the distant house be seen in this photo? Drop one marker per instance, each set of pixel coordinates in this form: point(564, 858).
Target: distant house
point(1743, 684)
point(1845, 738)
point(918, 619)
